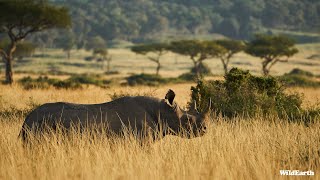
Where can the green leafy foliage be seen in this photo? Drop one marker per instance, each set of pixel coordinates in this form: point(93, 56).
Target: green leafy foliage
point(32, 15)
point(140, 20)
point(157, 49)
point(145, 79)
point(147, 48)
point(124, 94)
point(150, 80)
point(198, 51)
point(271, 48)
point(74, 82)
point(96, 42)
point(232, 47)
point(246, 95)
point(300, 78)
point(189, 76)
point(203, 69)
point(23, 49)
point(66, 42)
point(20, 18)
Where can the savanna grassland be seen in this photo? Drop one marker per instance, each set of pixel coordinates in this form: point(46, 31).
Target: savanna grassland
point(244, 148)
point(124, 61)
point(254, 148)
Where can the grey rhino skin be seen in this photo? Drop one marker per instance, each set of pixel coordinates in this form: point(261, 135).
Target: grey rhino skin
point(140, 113)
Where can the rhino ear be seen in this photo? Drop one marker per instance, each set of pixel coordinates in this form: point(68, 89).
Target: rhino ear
point(170, 96)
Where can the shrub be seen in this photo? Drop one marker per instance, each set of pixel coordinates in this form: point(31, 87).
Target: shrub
point(111, 72)
point(244, 94)
point(89, 58)
point(298, 77)
point(74, 82)
point(188, 76)
point(42, 82)
point(67, 85)
point(150, 80)
point(204, 69)
point(123, 94)
point(86, 79)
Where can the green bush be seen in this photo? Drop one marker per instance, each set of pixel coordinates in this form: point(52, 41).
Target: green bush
point(86, 79)
point(124, 94)
point(244, 94)
point(297, 71)
point(204, 69)
point(301, 78)
point(150, 80)
point(145, 79)
point(74, 82)
point(42, 82)
point(188, 77)
point(67, 85)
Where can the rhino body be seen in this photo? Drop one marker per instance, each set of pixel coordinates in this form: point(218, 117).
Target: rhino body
point(141, 114)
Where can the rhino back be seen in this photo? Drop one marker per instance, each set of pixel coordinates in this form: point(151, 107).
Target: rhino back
point(133, 111)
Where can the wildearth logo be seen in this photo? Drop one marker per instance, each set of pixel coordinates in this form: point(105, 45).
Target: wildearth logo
point(296, 173)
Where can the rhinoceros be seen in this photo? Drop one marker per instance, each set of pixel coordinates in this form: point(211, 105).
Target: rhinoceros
point(142, 114)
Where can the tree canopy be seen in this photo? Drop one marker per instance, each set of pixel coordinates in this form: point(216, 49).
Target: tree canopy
point(20, 18)
point(231, 47)
point(157, 49)
point(198, 51)
point(271, 49)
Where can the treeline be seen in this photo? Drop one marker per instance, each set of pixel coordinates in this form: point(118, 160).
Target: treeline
point(146, 20)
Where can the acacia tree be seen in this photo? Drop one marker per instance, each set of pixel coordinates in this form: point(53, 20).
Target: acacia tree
point(157, 49)
point(198, 51)
point(271, 49)
point(20, 18)
point(104, 56)
point(231, 48)
point(66, 42)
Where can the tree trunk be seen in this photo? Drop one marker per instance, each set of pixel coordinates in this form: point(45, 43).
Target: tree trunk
point(158, 68)
point(108, 66)
point(68, 55)
point(225, 66)
point(265, 69)
point(9, 74)
point(8, 62)
point(197, 68)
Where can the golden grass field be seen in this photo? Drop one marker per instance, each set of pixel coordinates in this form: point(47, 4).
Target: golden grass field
point(254, 148)
point(244, 149)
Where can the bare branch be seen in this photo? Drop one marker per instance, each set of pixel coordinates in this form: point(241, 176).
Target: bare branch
point(273, 63)
point(153, 59)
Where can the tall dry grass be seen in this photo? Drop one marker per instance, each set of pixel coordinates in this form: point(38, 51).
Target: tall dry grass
point(242, 149)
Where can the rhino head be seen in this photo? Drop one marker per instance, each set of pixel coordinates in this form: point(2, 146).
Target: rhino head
point(187, 124)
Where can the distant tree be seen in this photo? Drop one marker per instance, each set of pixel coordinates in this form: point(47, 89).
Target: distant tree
point(103, 56)
point(96, 42)
point(198, 51)
point(66, 42)
point(20, 18)
point(229, 27)
point(157, 50)
point(272, 49)
point(24, 49)
point(231, 48)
